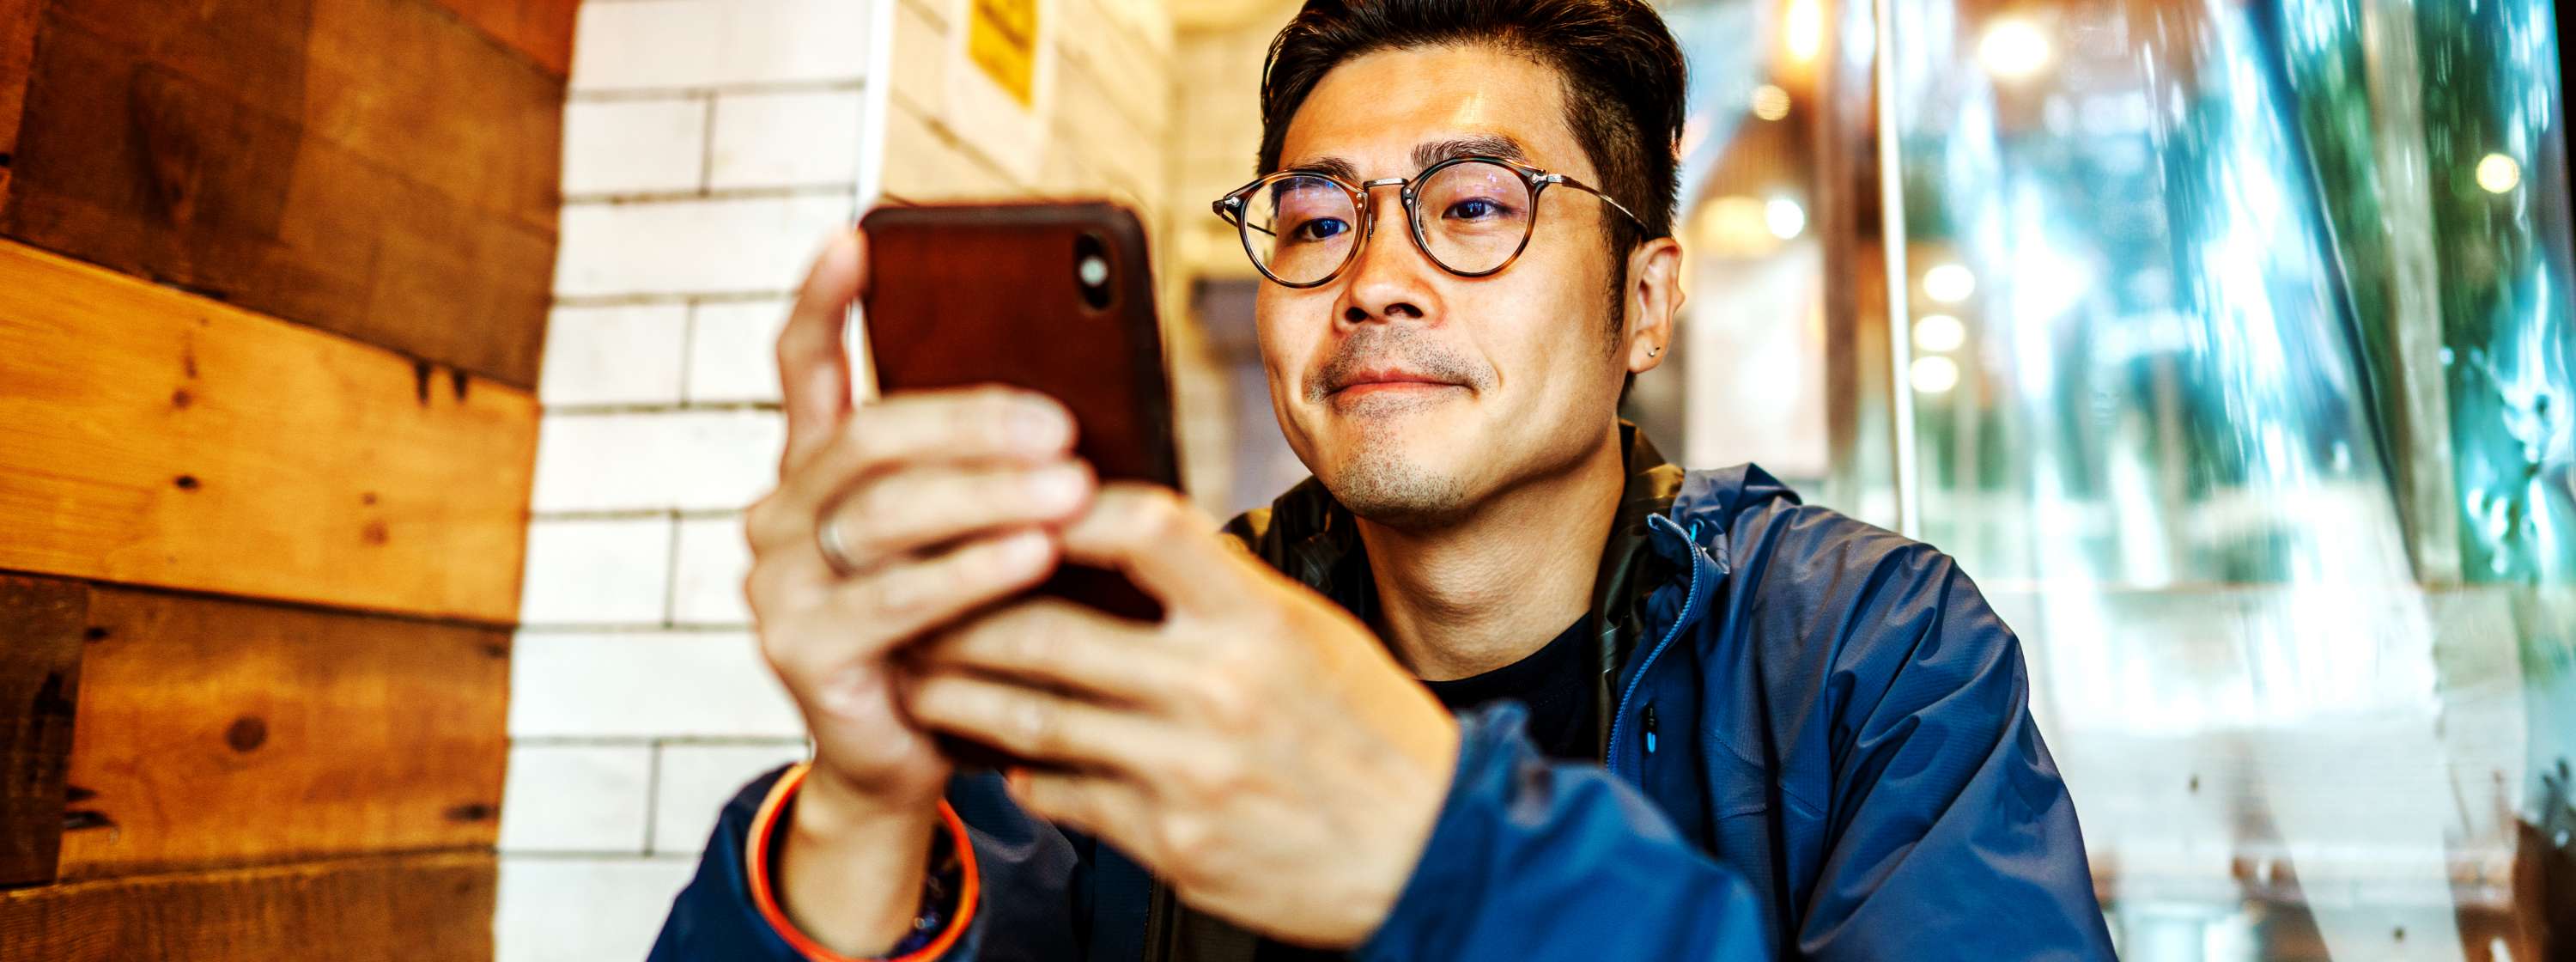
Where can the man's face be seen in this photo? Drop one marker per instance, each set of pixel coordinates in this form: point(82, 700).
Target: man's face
point(1412, 393)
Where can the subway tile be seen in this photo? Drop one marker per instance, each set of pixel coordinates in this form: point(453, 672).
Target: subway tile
point(645, 685)
point(634, 146)
point(576, 798)
point(669, 459)
point(707, 573)
point(785, 139)
point(557, 909)
point(693, 783)
point(924, 161)
point(614, 355)
point(642, 44)
point(919, 71)
point(733, 351)
point(713, 245)
point(588, 572)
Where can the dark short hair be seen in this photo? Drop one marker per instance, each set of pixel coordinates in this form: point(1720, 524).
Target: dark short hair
point(1622, 72)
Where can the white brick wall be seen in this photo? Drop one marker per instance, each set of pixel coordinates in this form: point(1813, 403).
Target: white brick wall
point(710, 147)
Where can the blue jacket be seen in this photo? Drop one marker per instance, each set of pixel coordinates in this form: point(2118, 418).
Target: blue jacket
point(1818, 745)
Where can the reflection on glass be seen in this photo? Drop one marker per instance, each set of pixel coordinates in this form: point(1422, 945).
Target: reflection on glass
point(2241, 381)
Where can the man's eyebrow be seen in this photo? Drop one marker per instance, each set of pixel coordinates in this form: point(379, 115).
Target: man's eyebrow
point(1328, 166)
point(1480, 145)
point(1424, 155)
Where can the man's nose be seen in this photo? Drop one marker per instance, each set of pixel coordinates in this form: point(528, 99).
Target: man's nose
point(1391, 278)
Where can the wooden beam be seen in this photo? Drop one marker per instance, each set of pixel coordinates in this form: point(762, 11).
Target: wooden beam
point(17, 50)
point(430, 908)
point(539, 29)
point(40, 658)
point(221, 732)
point(152, 437)
point(400, 84)
point(373, 167)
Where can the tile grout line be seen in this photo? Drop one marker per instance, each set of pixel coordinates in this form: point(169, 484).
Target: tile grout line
point(652, 792)
point(707, 149)
point(671, 575)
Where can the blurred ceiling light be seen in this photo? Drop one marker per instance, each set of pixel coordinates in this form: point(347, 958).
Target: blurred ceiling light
point(1949, 283)
point(1939, 333)
point(1735, 225)
point(1805, 28)
point(1785, 218)
point(2013, 49)
point(1934, 374)
point(2498, 173)
point(1770, 102)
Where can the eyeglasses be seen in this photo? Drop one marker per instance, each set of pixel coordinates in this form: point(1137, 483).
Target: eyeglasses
point(1470, 215)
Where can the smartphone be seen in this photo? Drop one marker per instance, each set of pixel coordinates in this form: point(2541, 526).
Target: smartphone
point(1053, 297)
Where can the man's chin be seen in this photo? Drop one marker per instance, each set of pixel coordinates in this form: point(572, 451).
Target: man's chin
point(1387, 480)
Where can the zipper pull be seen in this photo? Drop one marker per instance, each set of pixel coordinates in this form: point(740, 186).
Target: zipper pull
point(1650, 729)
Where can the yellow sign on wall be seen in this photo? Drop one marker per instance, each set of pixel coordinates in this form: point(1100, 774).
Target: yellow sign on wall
point(1002, 40)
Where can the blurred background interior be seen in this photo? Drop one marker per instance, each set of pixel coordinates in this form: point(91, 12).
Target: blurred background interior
point(381, 382)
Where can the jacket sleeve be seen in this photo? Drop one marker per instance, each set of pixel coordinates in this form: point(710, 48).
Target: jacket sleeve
point(1537, 860)
point(1029, 882)
point(1949, 826)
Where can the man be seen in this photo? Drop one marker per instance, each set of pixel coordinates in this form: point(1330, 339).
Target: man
point(1496, 683)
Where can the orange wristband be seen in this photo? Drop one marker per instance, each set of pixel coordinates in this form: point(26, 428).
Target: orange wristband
point(765, 824)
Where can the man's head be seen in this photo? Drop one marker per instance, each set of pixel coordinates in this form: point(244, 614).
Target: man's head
point(1416, 394)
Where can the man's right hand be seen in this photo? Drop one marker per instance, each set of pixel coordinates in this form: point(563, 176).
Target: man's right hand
point(942, 503)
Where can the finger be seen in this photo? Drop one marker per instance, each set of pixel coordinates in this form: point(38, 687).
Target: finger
point(813, 366)
point(1100, 805)
point(1035, 724)
point(914, 507)
point(1168, 548)
point(900, 601)
point(1055, 642)
point(964, 425)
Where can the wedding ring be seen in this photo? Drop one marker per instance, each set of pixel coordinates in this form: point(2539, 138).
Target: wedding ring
point(827, 538)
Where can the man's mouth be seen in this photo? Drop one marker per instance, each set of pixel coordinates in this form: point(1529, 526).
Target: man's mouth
point(1364, 383)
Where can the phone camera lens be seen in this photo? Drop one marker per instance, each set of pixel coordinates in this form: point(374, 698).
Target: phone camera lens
point(1091, 271)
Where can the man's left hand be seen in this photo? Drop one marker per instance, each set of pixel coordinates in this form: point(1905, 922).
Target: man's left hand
point(1258, 748)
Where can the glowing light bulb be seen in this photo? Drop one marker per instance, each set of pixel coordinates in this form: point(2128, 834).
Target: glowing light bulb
point(1939, 333)
point(1949, 283)
point(2498, 173)
point(1804, 26)
point(1934, 374)
point(1785, 218)
point(1770, 102)
point(2013, 49)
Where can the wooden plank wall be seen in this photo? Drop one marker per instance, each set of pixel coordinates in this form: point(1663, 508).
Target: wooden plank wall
point(273, 282)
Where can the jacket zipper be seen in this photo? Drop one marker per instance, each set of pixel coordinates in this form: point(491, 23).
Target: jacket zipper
point(1619, 718)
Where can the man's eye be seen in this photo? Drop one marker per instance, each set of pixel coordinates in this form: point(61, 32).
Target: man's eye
point(1475, 208)
point(1321, 228)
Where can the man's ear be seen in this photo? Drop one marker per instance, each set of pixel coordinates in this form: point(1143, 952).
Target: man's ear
point(1654, 301)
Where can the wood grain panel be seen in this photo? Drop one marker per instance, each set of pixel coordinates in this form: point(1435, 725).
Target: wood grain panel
point(373, 167)
point(217, 732)
point(152, 437)
point(539, 29)
point(434, 908)
point(17, 46)
point(40, 656)
point(399, 83)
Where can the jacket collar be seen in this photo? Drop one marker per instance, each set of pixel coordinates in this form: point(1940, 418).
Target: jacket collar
point(1308, 535)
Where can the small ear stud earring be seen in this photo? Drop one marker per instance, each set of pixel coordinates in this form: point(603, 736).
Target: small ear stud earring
point(1655, 352)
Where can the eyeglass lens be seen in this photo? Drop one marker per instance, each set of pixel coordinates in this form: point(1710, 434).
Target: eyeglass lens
point(1471, 218)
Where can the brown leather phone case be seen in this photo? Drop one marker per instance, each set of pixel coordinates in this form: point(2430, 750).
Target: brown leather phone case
point(981, 294)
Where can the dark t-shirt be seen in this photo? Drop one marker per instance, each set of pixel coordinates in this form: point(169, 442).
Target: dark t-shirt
point(1552, 682)
point(1560, 694)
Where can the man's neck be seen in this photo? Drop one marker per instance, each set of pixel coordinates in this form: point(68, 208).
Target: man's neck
point(1486, 591)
